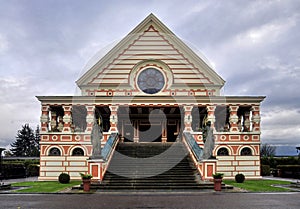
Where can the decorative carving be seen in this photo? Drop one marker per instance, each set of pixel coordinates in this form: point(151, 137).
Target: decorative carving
point(188, 119)
point(67, 119)
point(44, 119)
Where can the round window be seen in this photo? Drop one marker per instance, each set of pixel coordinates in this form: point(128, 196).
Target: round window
point(151, 81)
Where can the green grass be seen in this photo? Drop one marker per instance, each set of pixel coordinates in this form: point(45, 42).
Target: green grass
point(43, 186)
point(55, 186)
point(259, 185)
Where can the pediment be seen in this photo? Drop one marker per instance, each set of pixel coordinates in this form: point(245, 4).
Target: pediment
point(150, 45)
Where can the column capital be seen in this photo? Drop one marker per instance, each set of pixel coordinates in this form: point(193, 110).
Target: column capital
point(113, 107)
point(233, 108)
point(90, 108)
point(188, 108)
point(211, 108)
point(255, 108)
point(67, 108)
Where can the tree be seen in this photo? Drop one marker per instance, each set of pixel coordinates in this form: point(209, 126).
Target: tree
point(27, 143)
point(267, 150)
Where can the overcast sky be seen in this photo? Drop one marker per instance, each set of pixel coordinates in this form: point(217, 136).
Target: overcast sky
point(253, 45)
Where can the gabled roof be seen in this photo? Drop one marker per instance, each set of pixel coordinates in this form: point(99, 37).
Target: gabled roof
point(150, 40)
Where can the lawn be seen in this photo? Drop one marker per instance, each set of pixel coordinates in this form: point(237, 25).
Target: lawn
point(44, 186)
point(259, 185)
point(54, 186)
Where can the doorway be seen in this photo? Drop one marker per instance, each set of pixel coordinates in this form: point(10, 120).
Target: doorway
point(149, 124)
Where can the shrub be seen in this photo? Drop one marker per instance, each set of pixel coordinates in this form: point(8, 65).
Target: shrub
point(239, 178)
point(64, 178)
point(265, 170)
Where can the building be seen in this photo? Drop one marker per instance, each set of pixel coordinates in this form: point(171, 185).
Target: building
point(150, 79)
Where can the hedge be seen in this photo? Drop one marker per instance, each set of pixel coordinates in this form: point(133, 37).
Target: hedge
point(19, 168)
point(275, 161)
point(13, 171)
point(289, 171)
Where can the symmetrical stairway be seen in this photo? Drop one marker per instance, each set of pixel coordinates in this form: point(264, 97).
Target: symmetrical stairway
point(157, 166)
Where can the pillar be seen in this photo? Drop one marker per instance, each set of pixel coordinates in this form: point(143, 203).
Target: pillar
point(233, 118)
point(246, 127)
point(135, 130)
point(67, 119)
point(113, 118)
point(188, 118)
point(255, 118)
point(89, 118)
point(211, 115)
point(164, 136)
point(45, 118)
point(53, 122)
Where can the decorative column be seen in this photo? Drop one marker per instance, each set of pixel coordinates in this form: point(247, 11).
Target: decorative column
point(113, 118)
point(233, 118)
point(255, 118)
point(164, 136)
point(135, 130)
point(53, 122)
point(45, 118)
point(246, 121)
point(89, 118)
point(211, 115)
point(67, 119)
point(188, 118)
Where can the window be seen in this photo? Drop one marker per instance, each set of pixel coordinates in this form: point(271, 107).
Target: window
point(246, 151)
point(77, 152)
point(54, 152)
point(151, 81)
point(223, 152)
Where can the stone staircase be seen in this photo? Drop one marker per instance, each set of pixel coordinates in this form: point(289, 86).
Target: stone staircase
point(151, 166)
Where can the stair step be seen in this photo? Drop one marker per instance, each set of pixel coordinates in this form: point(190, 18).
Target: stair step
point(134, 164)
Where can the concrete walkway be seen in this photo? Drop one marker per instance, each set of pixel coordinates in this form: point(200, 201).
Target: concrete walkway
point(10, 181)
point(281, 179)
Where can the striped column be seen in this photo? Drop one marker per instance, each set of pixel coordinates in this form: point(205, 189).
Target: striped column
point(233, 119)
point(113, 118)
point(255, 118)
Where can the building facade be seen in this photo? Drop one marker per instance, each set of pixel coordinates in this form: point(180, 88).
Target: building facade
point(151, 80)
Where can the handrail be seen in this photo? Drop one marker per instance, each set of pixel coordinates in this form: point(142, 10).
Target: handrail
point(109, 146)
point(196, 150)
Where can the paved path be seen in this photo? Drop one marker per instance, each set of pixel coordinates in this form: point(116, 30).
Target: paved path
point(9, 181)
point(209, 200)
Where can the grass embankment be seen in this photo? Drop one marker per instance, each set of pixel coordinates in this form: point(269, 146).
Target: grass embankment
point(43, 186)
point(259, 185)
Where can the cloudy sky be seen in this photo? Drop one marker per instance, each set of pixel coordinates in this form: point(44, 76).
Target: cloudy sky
point(254, 45)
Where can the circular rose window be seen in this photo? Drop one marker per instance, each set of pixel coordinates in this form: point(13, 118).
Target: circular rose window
point(151, 81)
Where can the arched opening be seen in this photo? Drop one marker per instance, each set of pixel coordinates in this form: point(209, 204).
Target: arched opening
point(54, 152)
point(223, 152)
point(77, 152)
point(246, 151)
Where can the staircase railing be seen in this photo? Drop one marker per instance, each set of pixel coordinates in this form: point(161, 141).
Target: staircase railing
point(109, 146)
point(193, 146)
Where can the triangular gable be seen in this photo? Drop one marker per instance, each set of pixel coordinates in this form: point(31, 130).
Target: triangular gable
point(150, 40)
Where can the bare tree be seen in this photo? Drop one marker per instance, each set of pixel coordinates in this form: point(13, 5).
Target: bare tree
point(267, 150)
